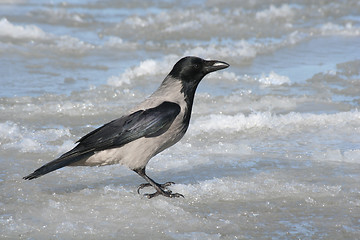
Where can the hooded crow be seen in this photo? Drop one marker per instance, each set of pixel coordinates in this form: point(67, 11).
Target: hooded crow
point(154, 125)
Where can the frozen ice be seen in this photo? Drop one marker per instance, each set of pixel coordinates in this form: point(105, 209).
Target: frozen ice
point(284, 11)
point(289, 122)
point(238, 49)
point(335, 29)
point(272, 150)
point(7, 29)
point(119, 43)
point(274, 79)
point(146, 68)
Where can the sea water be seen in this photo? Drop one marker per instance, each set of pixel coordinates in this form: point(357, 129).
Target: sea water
point(273, 147)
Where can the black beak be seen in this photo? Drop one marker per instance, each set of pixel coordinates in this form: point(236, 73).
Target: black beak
point(214, 65)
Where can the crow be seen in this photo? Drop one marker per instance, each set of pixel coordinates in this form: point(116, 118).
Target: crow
point(151, 127)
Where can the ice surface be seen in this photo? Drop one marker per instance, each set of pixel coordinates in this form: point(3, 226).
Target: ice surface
point(282, 123)
point(274, 79)
point(284, 11)
point(19, 138)
point(272, 151)
point(10, 30)
point(146, 68)
point(238, 49)
point(119, 43)
point(60, 16)
point(335, 29)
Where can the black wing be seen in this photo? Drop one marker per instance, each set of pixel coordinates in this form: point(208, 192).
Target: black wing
point(143, 123)
point(147, 123)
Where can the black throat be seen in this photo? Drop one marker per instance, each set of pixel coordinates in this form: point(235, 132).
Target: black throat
point(188, 89)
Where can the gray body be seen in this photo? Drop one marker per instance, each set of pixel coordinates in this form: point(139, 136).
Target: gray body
point(154, 125)
point(137, 153)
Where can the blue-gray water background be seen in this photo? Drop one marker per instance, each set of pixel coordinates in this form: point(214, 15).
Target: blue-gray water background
point(273, 150)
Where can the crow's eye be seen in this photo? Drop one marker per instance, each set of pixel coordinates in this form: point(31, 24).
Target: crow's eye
point(196, 66)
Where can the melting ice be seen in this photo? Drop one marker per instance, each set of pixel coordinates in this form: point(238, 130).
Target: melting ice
point(272, 150)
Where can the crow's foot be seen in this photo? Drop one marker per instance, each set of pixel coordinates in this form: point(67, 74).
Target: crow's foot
point(168, 194)
point(162, 186)
point(160, 190)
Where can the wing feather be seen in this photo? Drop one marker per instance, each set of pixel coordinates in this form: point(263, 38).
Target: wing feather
point(147, 123)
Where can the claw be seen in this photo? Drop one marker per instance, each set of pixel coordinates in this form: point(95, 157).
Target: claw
point(175, 195)
point(166, 184)
point(143, 186)
point(151, 195)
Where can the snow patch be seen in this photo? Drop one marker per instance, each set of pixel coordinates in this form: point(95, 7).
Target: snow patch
point(10, 30)
point(274, 79)
point(284, 11)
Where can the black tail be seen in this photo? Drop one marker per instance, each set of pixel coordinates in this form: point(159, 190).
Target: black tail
point(60, 162)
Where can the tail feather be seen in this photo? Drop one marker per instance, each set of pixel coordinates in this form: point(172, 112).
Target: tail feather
point(56, 164)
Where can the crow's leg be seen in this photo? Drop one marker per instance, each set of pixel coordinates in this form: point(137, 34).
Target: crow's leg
point(160, 188)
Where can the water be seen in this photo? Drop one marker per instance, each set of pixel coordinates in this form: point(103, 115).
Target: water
point(273, 149)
